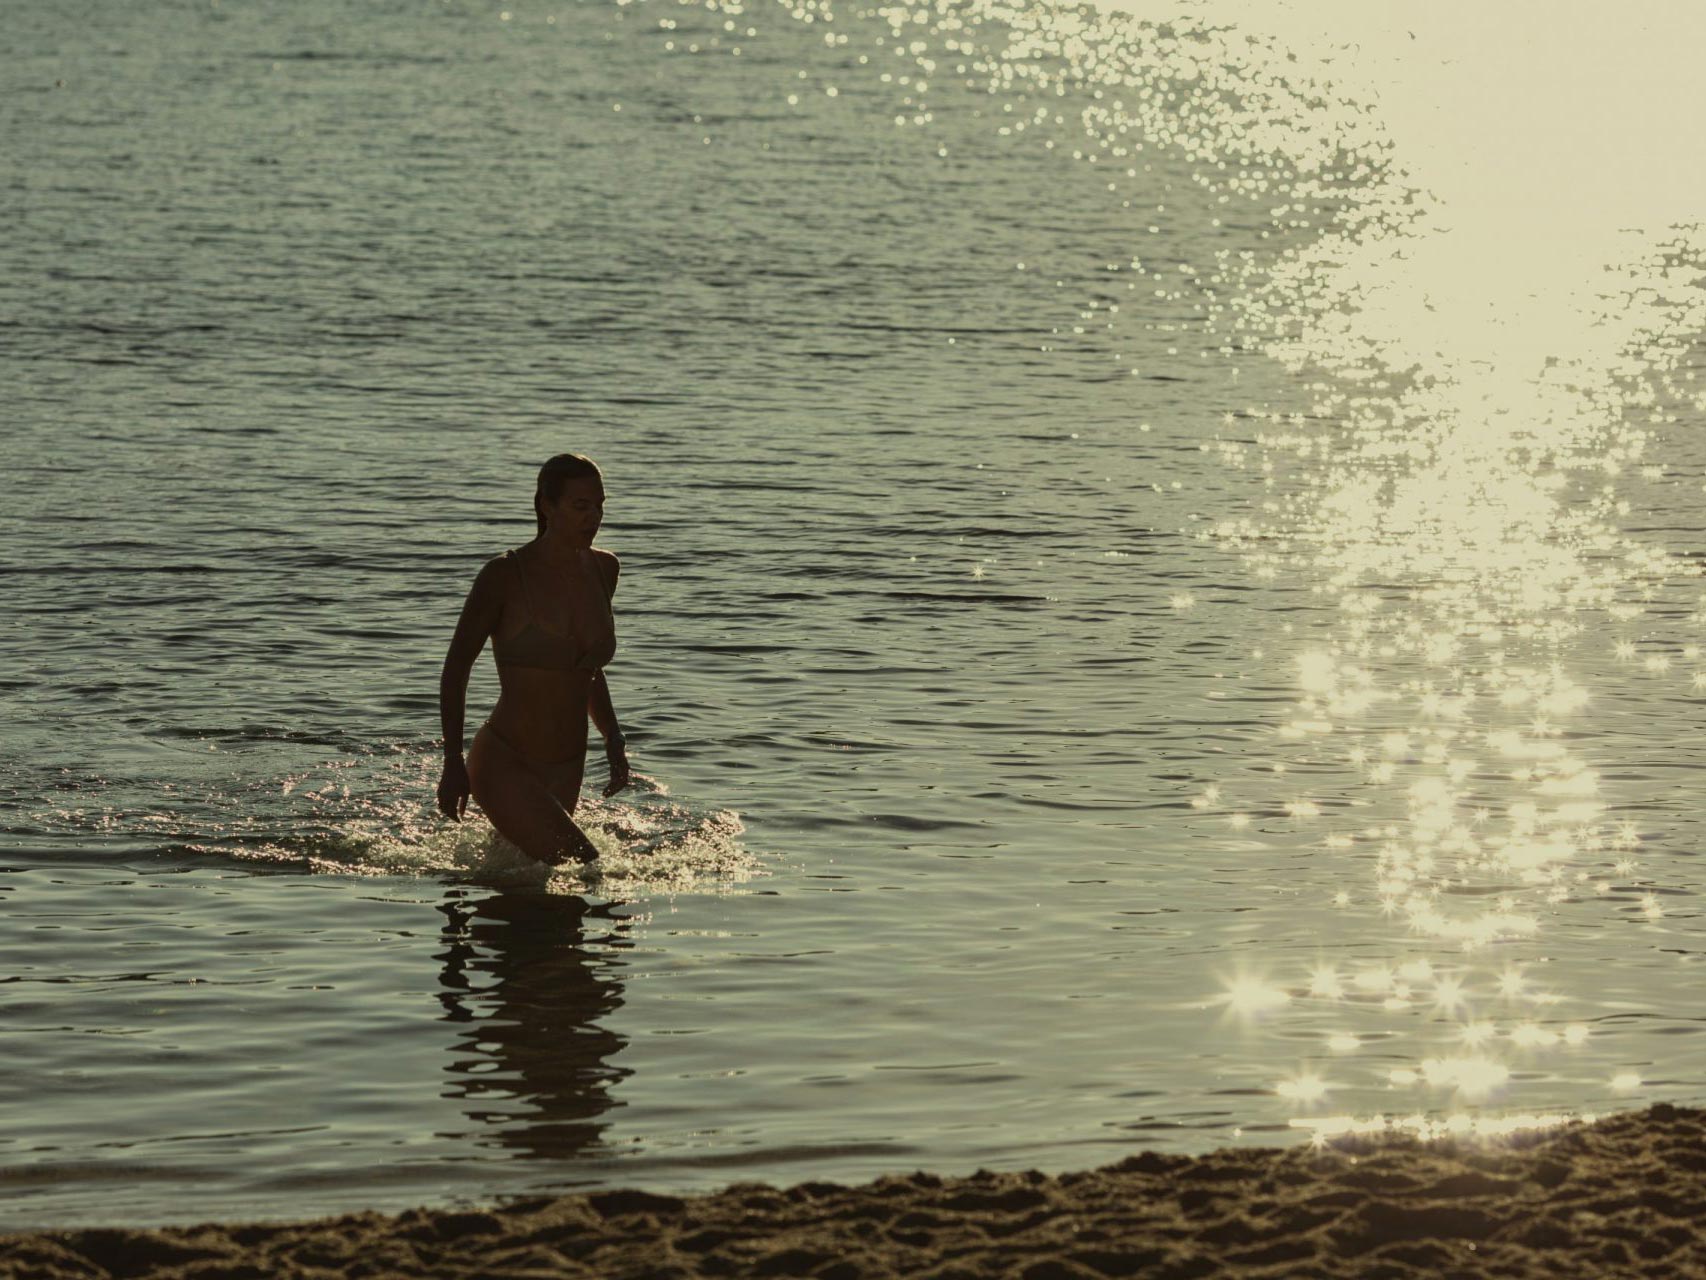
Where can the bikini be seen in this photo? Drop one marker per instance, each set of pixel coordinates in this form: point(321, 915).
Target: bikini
point(539, 648)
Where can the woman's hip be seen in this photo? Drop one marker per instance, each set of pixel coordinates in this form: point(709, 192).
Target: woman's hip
point(490, 751)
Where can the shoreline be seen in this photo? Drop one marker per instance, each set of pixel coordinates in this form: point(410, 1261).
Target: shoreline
point(1619, 1196)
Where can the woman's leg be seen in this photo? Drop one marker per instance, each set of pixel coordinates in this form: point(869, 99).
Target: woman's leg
point(528, 810)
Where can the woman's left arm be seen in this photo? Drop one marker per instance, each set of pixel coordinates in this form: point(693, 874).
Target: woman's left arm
point(598, 704)
point(603, 715)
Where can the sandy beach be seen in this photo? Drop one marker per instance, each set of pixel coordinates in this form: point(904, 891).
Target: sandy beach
point(1619, 1197)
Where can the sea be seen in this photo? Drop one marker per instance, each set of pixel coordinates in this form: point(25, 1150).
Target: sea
point(1114, 659)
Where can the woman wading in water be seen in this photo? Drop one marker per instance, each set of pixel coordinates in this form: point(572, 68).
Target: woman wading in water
point(546, 610)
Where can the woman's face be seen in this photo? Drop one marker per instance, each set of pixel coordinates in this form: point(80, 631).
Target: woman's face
point(577, 511)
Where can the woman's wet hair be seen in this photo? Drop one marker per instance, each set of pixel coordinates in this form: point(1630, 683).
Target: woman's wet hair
point(555, 475)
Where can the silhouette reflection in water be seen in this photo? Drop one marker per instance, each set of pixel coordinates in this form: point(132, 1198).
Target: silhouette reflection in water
point(532, 1062)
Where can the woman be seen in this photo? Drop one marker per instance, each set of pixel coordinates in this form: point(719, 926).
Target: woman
point(546, 609)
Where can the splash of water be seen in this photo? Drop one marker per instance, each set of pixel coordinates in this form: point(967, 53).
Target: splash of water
point(648, 845)
point(369, 814)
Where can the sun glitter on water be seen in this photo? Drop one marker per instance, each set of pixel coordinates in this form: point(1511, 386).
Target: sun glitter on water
point(1487, 348)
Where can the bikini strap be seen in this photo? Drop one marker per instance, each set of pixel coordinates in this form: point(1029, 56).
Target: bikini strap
point(526, 596)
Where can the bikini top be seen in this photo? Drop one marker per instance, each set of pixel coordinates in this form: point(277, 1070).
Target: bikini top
point(541, 648)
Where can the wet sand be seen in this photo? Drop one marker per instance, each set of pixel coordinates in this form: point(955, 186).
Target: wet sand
point(1621, 1197)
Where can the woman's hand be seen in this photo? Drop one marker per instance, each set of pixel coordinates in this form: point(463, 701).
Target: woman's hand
point(616, 756)
point(454, 789)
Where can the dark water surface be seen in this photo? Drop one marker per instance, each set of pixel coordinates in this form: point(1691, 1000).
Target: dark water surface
point(974, 793)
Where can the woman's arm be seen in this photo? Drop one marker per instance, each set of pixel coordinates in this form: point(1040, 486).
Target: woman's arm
point(598, 704)
point(479, 619)
point(603, 715)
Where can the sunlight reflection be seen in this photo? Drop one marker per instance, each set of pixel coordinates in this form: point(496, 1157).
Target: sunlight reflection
point(1373, 980)
point(1474, 1076)
point(1474, 1033)
point(1303, 1088)
point(1324, 1129)
point(1482, 345)
point(1250, 996)
point(1325, 982)
point(1448, 994)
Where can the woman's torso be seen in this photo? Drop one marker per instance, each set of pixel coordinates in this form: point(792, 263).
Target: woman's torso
point(554, 633)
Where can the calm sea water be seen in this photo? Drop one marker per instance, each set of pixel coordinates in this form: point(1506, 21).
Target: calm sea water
point(1005, 806)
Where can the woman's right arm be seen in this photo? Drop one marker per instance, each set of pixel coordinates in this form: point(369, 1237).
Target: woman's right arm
point(478, 621)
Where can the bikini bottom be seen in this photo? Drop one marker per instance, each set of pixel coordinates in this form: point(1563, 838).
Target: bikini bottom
point(562, 778)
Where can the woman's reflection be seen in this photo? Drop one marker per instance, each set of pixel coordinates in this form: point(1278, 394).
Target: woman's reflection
point(532, 1062)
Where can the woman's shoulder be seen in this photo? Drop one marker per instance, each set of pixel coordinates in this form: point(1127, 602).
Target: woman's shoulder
point(609, 567)
point(497, 573)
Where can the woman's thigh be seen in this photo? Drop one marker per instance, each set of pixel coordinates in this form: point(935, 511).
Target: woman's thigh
point(530, 811)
